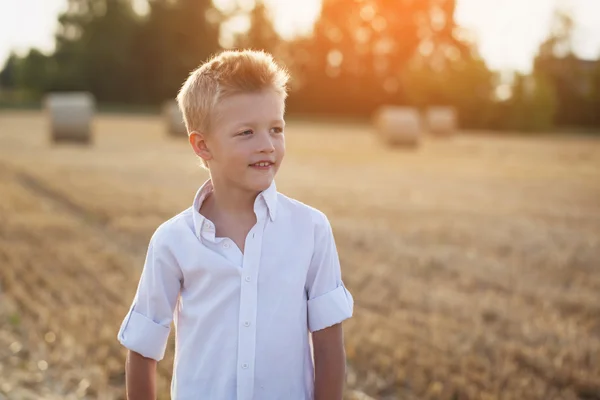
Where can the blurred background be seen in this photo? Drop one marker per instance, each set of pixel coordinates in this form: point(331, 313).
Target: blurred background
point(454, 145)
point(502, 64)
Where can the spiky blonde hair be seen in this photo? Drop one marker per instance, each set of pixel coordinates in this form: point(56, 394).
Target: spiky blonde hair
point(229, 72)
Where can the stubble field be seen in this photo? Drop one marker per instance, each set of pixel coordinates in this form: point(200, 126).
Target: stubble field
point(474, 261)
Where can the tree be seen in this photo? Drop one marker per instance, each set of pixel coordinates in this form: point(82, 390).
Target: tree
point(103, 46)
point(262, 34)
point(175, 38)
point(532, 106)
point(34, 73)
point(8, 75)
point(465, 83)
point(358, 55)
point(94, 46)
point(573, 79)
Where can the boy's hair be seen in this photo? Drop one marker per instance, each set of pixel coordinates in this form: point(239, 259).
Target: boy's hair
point(229, 72)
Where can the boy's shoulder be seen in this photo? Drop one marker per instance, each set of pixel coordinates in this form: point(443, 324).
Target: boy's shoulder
point(298, 209)
point(172, 228)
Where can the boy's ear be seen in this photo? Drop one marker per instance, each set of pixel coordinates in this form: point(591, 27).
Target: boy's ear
point(198, 142)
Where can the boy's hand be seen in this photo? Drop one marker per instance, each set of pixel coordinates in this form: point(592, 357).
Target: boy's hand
point(140, 375)
point(330, 363)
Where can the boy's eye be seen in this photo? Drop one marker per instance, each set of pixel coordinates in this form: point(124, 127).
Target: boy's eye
point(246, 132)
point(277, 129)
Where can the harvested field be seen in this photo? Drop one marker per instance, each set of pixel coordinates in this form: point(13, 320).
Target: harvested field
point(474, 260)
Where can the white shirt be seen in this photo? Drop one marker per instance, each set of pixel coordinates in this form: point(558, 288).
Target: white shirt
point(242, 321)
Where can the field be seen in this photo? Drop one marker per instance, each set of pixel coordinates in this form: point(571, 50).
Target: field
point(474, 261)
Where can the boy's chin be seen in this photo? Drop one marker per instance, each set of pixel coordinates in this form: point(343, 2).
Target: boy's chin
point(260, 183)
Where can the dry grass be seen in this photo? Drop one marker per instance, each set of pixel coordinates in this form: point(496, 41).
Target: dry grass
point(474, 260)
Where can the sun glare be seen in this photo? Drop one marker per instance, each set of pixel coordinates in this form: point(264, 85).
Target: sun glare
point(290, 17)
point(508, 32)
point(293, 17)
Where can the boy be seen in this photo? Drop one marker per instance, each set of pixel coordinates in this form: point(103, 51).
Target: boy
point(246, 272)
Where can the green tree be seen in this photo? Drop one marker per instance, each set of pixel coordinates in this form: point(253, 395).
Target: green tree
point(532, 105)
point(175, 38)
point(34, 73)
point(573, 79)
point(8, 75)
point(465, 83)
point(262, 34)
point(93, 48)
point(595, 95)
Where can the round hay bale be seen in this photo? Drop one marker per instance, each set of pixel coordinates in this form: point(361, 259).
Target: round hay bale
point(70, 116)
point(398, 126)
point(441, 120)
point(174, 119)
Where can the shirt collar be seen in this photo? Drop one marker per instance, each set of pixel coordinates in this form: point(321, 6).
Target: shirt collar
point(265, 199)
point(269, 196)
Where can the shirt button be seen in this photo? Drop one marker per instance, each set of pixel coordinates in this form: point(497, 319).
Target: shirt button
point(226, 245)
point(245, 366)
point(247, 323)
point(247, 279)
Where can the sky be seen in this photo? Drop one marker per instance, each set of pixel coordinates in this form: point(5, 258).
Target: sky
point(508, 31)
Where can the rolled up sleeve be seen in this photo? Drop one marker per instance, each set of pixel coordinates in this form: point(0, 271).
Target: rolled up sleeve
point(329, 302)
point(147, 325)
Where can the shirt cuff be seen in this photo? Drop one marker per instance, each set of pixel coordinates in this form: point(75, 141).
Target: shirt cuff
point(330, 308)
point(144, 336)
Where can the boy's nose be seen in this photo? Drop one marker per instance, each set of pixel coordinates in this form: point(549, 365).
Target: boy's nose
point(266, 143)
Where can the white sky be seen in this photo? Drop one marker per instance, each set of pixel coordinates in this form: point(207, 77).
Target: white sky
point(508, 31)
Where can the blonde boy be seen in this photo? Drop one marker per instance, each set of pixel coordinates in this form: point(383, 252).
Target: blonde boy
point(249, 275)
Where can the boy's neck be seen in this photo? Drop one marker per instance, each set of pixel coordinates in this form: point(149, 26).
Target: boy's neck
point(231, 200)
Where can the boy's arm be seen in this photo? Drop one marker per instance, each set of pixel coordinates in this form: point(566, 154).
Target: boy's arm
point(140, 374)
point(329, 303)
point(330, 363)
point(146, 327)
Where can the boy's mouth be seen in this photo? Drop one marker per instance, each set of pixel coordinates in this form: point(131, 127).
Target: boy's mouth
point(262, 165)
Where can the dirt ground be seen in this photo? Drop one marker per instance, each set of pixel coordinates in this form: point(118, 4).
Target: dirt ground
point(474, 260)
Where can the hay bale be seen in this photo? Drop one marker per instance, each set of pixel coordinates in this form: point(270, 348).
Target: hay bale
point(441, 120)
point(398, 126)
point(70, 115)
point(174, 119)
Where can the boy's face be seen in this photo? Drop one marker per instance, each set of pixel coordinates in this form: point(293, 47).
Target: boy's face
point(246, 144)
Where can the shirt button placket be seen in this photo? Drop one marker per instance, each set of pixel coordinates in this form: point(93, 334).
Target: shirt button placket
point(248, 302)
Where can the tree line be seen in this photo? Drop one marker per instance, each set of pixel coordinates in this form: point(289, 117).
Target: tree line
point(360, 55)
